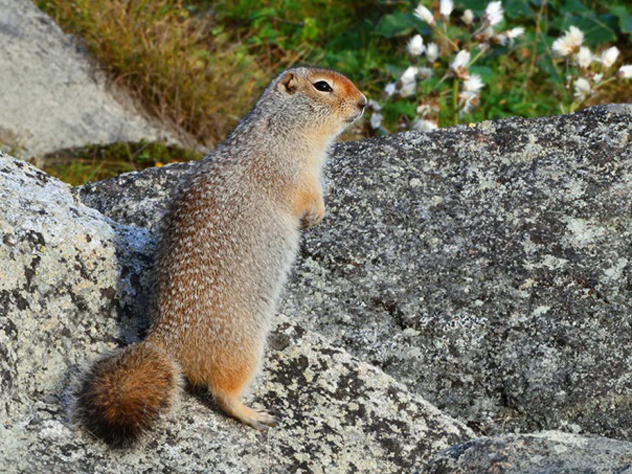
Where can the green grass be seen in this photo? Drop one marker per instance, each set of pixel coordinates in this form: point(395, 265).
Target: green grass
point(181, 67)
point(199, 64)
point(95, 162)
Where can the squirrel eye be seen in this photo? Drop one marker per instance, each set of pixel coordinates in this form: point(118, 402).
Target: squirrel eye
point(322, 86)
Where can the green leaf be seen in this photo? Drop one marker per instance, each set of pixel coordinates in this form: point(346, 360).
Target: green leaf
point(487, 74)
point(597, 29)
point(625, 19)
point(394, 70)
point(547, 65)
point(519, 9)
point(310, 29)
point(268, 32)
point(574, 7)
point(477, 6)
point(403, 107)
point(262, 16)
point(396, 24)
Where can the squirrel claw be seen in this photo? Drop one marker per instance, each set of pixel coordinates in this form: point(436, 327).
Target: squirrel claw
point(311, 219)
point(264, 419)
point(259, 419)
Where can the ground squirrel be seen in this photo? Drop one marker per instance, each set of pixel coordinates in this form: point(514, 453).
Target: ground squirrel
point(228, 240)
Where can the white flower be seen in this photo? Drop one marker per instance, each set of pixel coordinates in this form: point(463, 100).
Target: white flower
point(461, 60)
point(376, 120)
point(510, 35)
point(494, 13)
point(432, 52)
point(390, 89)
point(584, 57)
point(374, 105)
point(408, 82)
point(424, 125)
point(467, 17)
point(409, 75)
point(609, 56)
point(569, 43)
point(625, 71)
point(408, 89)
point(416, 46)
point(424, 14)
point(487, 33)
point(582, 88)
point(446, 7)
point(424, 109)
point(515, 32)
point(483, 47)
point(468, 97)
point(473, 83)
point(501, 38)
point(467, 100)
point(598, 78)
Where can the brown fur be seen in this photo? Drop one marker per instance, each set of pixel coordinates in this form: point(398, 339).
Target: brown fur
point(308, 204)
point(227, 243)
point(123, 395)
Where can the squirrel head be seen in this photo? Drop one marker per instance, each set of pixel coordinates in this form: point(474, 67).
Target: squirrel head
point(321, 101)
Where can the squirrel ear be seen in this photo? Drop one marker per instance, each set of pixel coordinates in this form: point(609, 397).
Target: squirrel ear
point(288, 83)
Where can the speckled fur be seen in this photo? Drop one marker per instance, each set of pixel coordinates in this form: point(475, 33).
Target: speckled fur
point(232, 233)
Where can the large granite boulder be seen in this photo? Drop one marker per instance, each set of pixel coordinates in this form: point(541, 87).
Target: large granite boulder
point(74, 285)
point(487, 267)
point(549, 452)
point(52, 95)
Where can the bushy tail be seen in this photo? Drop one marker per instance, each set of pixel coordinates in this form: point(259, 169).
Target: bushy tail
point(123, 395)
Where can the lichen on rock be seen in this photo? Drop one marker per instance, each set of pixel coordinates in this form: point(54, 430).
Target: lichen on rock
point(74, 285)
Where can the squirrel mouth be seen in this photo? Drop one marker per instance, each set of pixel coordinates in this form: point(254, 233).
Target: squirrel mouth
point(353, 119)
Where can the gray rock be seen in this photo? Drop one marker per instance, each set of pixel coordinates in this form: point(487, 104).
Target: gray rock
point(550, 452)
point(73, 285)
point(53, 97)
point(486, 267)
point(139, 199)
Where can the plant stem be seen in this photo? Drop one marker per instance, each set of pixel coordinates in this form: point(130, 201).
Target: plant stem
point(603, 83)
point(480, 53)
point(570, 85)
point(445, 38)
point(455, 101)
point(535, 42)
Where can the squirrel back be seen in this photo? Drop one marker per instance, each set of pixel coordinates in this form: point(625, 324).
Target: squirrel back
point(226, 246)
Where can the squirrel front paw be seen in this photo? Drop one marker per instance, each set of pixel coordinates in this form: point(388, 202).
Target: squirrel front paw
point(314, 215)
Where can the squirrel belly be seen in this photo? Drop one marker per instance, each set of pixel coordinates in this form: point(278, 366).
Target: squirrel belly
point(227, 243)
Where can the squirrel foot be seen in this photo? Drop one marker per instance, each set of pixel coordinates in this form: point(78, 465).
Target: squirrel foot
point(259, 419)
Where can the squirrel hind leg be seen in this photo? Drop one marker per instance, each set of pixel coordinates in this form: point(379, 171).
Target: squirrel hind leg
point(227, 385)
point(259, 419)
point(123, 395)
